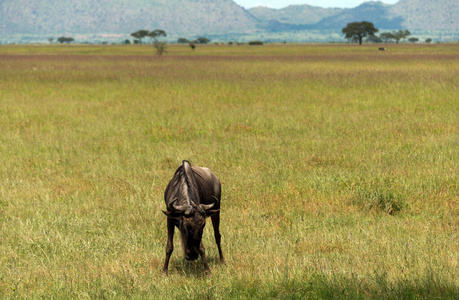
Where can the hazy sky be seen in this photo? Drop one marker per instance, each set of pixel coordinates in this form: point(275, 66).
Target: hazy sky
point(321, 3)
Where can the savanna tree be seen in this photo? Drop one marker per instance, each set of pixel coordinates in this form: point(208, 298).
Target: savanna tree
point(400, 35)
point(183, 40)
point(64, 39)
point(202, 40)
point(387, 37)
point(359, 30)
point(159, 45)
point(139, 35)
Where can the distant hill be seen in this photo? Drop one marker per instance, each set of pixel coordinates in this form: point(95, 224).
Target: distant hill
point(376, 12)
point(294, 14)
point(425, 15)
point(182, 17)
point(216, 18)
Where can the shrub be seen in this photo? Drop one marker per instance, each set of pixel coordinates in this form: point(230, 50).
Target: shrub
point(256, 43)
point(160, 47)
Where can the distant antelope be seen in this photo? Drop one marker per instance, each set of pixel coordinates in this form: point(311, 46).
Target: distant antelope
point(382, 49)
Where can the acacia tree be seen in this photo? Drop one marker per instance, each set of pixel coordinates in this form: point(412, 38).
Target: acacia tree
point(64, 39)
point(359, 30)
point(159, 45)
point(401, 34)
point(202, 40)
point(155, 34)
point(387, 37)
point(140, 34)
point(183, 40)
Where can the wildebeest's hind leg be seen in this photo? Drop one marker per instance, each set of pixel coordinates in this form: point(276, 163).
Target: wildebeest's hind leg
point(170, 243)
point(216, 224)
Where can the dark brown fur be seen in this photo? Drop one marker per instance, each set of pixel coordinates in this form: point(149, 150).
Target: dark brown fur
point(191, 196)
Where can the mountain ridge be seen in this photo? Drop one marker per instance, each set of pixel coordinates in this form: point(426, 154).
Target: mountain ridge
point(188, 18)
point(406, 14)
point(123, 17)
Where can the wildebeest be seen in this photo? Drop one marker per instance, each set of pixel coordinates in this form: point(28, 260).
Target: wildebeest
point(192, 195)
point(382, 49)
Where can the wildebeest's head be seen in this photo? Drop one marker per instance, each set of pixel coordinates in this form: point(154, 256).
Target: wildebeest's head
point(191, 222)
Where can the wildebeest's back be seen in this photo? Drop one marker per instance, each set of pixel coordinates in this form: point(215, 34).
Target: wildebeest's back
point(176, 189)
point(209, 184)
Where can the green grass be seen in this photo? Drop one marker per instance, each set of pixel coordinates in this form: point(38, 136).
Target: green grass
point(339, 169)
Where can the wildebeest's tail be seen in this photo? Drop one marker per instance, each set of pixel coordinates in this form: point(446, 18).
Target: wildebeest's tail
point(191, 181)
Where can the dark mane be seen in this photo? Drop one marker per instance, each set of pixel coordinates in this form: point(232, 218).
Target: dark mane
point(179, 188)
point(184, 186)
point(193, 187)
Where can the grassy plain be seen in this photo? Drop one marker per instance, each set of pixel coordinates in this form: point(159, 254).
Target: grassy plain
point(339, 167)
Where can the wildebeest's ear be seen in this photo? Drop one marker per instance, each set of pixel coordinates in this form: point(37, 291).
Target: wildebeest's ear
point(211, 212)
point(172, 215)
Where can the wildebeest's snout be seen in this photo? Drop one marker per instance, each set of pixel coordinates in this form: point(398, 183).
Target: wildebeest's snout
point(191, 254)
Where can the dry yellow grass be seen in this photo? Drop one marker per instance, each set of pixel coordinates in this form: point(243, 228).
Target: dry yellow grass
point(339, 169)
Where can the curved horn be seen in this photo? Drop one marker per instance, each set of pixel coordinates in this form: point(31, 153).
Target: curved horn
point(182, 208)
point(206, 207)
point(216, 199)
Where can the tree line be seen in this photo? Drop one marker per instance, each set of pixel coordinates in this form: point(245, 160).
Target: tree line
point(357, 31)
point(161, 45)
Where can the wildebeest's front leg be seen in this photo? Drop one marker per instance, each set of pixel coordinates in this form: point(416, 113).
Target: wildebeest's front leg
point(202, 252)
point(170, 243)
point(216, 224)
